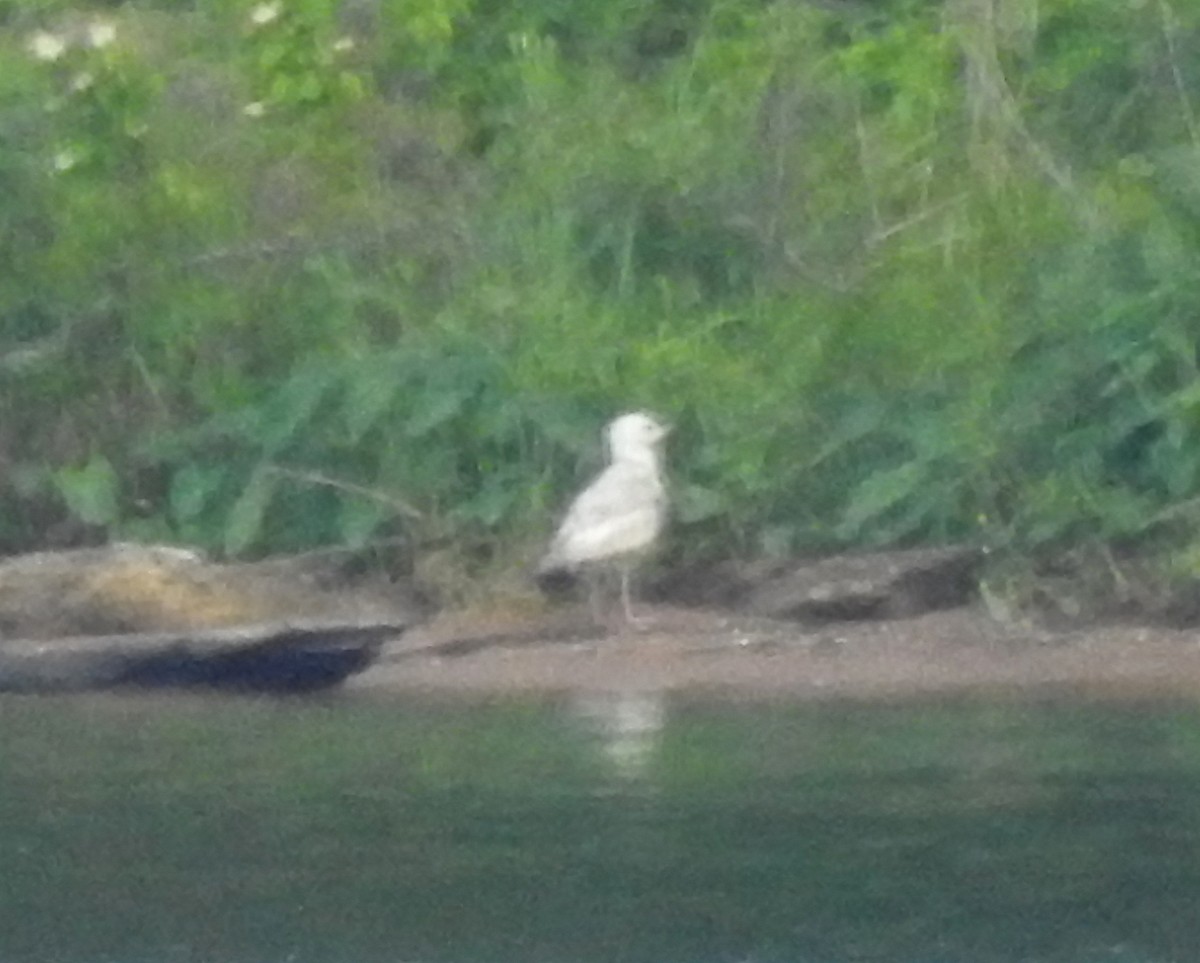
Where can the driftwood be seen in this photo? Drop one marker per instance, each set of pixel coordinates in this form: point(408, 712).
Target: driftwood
point(265, 658)
point(127, 615)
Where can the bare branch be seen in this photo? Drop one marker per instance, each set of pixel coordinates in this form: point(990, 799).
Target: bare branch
point(1169, 27)
point(151, 383)
point(883, 233)
point(395, 503)
point(31, 354)
point(994, 100)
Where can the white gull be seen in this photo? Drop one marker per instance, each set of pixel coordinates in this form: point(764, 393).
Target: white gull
point(619, 516)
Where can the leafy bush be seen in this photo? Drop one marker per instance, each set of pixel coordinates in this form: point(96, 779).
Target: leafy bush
point(285, 275)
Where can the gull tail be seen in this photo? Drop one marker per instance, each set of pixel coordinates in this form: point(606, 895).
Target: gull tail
point(553, 576)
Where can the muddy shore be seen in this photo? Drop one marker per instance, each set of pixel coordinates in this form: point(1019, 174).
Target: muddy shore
point(955, 652)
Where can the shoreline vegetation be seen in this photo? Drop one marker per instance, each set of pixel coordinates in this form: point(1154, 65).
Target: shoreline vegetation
point(292, 276)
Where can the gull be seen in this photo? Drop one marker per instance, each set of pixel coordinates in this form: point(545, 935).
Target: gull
point(618, 517)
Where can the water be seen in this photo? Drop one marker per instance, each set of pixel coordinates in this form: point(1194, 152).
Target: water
point(630, 830)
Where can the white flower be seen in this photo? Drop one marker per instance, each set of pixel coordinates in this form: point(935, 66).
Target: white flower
point(343, 45)
point(65, 159)
point(82, 82)
point(46, 46)
point(264, 13)
point(256, 109)
point(101, 33)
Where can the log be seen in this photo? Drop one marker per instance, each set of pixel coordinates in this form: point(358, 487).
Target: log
point(157, 616)
point(279, 657)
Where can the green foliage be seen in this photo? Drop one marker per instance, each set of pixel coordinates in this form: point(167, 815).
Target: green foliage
point(297, 60)
point(284, 275)
point(91, 492)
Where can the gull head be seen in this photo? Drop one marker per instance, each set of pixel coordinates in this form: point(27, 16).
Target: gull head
point(635, 435)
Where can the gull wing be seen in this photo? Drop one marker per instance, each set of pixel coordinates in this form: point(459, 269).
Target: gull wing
point(619, 513)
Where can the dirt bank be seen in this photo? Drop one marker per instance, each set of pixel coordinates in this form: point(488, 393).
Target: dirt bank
point(869, 625)
point(958, 651)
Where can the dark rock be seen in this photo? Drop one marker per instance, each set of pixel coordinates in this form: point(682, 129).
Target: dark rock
point(877, 585)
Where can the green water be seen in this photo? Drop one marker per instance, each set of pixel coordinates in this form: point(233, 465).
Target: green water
point(151, 830)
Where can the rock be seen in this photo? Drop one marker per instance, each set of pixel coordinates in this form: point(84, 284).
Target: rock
point(877, 585)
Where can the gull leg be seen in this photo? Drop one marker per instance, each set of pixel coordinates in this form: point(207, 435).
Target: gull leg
point(627, 602)
point(593, 586)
